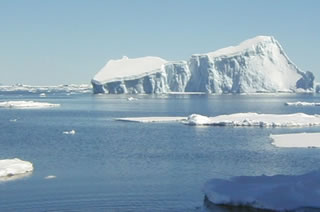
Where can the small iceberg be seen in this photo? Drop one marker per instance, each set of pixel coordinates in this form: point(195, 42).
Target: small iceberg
point(42, 95)
point(13, 120)
point(276, 193)
point(302, 103)
point(14, 168)
point(71, 132)
point(299, 140)
point(27, 105)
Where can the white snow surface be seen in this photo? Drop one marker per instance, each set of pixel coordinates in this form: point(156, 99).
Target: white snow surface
point(279, 192)
point(238, 119)
point(302, 103)
point(127, 68)
point(27, 105)
point(12, 167)
point(255, 65)
point(302, 140)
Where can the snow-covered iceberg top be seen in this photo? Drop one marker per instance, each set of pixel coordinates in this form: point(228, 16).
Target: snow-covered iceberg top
point(302, 103)
point(27, 105)
point(127, 68)
point(296, 140)
point(279, 192)
point(238, 119)
point(14, 168)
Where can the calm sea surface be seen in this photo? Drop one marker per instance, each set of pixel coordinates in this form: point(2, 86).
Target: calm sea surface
point(120, 166)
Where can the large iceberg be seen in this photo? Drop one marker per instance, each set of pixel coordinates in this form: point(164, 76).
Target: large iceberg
point(13, 168)
point(297, 140)
point(256, 65)
point(275, 193)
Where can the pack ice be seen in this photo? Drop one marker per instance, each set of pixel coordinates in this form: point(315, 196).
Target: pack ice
point(256, 65)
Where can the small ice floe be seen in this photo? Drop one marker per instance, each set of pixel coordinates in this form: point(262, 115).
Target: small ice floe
point(71, 132)
point(152, 119)
point(302, 103)
point(13, 120)
point(14, 168)
point(42, 95)
point(49, 177)
point(131, 98)
point(302, 140)
point(276, 193)
point(27, 105)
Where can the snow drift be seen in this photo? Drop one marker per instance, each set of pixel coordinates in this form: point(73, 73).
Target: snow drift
point(279, 192)
point(256, 65)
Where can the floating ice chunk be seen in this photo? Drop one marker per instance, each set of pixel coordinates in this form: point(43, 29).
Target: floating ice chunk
point(42, 95)
point(13, 167)
point(302, 103)
point(71, 132)
point(238, 119)
point(279, 192)
point(50, 177)
point(196, 119)
point(27, 105)
point(296, 140)
point(13, 120)
point(131, 98)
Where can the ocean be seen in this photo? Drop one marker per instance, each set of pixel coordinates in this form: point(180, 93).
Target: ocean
point(109, 165)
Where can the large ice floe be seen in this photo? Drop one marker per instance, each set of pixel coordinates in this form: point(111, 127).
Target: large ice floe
point(277, 193)
point(302, 103)
point(11, 169)
point(296, 140)
point(255, 65)
point(238, 119)
point(27, 105)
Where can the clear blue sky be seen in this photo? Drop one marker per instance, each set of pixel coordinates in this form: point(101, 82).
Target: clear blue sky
point(46, 42)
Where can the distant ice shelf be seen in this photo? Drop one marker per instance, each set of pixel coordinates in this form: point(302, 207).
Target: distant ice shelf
point(301, 140)
point(255, 65)
point(27, 105)
point(14, 168)
point(277, 193)
point(238, 119)
point(302, 103)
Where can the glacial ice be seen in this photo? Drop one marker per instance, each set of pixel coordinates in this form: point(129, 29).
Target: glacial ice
point(279, 192)
point(256, 65)
point(14, 167)
point(26, 105)
point(238, 119)
point(302, 140)
point(42, 90)
point(71, 132)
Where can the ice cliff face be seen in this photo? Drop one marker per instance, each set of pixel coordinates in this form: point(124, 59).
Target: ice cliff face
point(256, 65)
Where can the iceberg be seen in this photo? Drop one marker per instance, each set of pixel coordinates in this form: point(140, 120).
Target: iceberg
point(276, 193)
point(71, 132)
point(306, 140)
point(27, 105)
point(238, 119)
point(14, 168)
point(42, 90)
point(256, 65)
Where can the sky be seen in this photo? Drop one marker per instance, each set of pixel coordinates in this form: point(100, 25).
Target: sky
point(64, 42)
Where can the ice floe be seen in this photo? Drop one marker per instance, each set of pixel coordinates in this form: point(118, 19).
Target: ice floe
point(296, 140)
point(279, 192)
point(13, 168)
point(71, 132)
point(131, 98)
point(238, 119)
point(82, 88)
point(302, 103)
point(27, 105)
point(50, 177)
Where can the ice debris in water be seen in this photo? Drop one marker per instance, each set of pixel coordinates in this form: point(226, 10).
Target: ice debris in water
point(71, 132)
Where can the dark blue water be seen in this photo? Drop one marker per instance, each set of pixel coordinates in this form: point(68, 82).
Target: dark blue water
point(120, 166)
